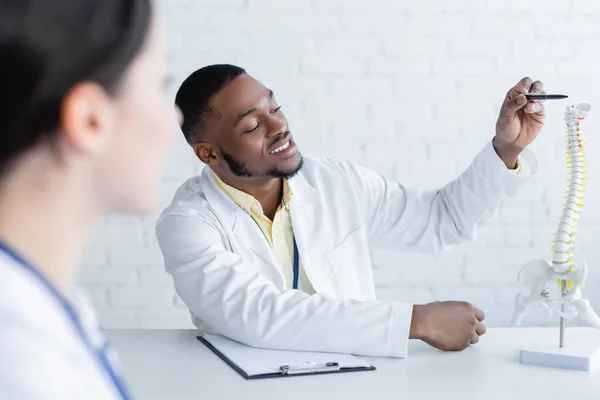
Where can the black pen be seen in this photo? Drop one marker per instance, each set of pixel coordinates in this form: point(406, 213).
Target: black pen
point(545, 96)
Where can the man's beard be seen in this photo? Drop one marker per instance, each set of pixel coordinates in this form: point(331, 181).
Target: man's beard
point(239, 169)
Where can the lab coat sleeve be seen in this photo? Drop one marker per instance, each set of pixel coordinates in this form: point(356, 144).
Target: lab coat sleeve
point(412, 219)
point(238, 302)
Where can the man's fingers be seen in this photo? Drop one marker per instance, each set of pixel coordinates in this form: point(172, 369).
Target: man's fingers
point(533, 107)
point(510, 107)
point(516, 100)
point(536, 106)
point(474, 338)
point(480, 328)
point(522, 87)
point(514, 97)
point(478, 314)
point(537, 87)
point(540, 109)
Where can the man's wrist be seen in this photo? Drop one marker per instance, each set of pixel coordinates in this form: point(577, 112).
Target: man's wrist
point(417, 323)
point(508, 152)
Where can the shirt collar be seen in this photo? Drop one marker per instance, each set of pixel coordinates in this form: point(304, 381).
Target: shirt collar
point(246, 201)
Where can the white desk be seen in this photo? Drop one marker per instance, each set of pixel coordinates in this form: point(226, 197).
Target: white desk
point(173, 365)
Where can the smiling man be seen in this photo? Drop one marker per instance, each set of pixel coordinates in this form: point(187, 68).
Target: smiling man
point(272, 249)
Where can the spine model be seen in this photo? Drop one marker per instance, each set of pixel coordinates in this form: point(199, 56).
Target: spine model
point(564, 238)
point(535, 275)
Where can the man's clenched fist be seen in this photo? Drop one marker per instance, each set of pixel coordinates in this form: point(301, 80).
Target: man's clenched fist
point(447, 325)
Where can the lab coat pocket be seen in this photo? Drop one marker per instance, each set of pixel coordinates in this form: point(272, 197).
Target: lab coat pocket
point(347, 261)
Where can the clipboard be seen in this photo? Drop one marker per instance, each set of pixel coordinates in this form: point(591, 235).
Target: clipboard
point(254, 363)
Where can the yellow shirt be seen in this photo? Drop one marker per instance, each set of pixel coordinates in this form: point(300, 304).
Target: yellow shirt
point(279, 232)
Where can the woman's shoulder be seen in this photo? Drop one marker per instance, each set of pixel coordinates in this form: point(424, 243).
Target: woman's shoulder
point(42, 355)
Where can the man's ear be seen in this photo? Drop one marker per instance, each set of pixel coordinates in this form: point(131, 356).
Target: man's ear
point(206, 153)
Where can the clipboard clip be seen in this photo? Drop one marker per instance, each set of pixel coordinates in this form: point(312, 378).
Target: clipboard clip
point(309, 367)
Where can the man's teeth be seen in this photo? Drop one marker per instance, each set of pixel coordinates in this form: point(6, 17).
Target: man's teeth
point(281, 148)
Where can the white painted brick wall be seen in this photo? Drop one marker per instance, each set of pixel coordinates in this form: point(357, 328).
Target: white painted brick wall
point(409, 88)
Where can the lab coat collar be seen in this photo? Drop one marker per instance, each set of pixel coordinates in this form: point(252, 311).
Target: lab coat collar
point(304, 193)
point(218, 200)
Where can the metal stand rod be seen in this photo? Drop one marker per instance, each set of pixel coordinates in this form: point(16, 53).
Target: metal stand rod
point(562, 319)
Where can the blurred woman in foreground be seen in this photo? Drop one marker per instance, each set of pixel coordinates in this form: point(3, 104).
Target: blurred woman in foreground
point(85, 124)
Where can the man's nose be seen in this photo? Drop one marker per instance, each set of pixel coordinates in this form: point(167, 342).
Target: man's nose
point(276, 126)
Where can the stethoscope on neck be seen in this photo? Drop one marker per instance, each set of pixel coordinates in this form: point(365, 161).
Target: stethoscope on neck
point(100, 355)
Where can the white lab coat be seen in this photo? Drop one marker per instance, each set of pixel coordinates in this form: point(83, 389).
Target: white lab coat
point(41, 355)
point(225, 271)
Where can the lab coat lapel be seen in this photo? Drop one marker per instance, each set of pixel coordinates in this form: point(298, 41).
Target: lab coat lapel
point(244, 228)
point(218, 200)
point(248, 232)
point(306, 209)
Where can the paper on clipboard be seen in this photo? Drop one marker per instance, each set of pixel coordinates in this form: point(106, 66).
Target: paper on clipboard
point(255, 361)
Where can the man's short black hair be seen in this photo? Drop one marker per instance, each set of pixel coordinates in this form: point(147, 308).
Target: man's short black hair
point(195, 92)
